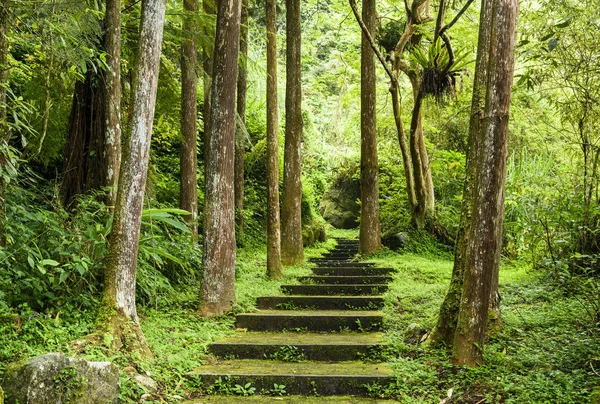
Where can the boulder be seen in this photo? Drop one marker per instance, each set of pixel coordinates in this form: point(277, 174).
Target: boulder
point(339, 205)
point(395, 241)
point(56, 379)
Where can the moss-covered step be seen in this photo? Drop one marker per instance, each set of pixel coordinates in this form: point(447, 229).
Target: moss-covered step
point(308, 378)
point(338, 257)
point(300, 346)
point(351, 271)
point(321, 302)
point(334, 289)
point(335, 263)
point(370, 279)
point(310, 320)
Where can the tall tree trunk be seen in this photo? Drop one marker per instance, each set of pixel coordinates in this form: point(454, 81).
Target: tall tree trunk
point(208, 7)
point(423, 182)
point(370, 232)
point(292, 251)
point(273, 225)
point(242, 85)
point(112, 137)
point(188, 186)
point(119, 312)
point(4, 133)
point(84, 166)
point(464, 313)
point(218, 289)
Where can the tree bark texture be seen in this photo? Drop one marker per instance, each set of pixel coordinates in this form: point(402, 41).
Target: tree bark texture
point(208, 7)
point(218, 289)
point(242, 88)
point(84, 166)
point(112, 137)
point(464, 313)
point(188, 161)
point(4, 132)
point(273, 224)
point(121, 265)
point(292, 251)
point(370, 231)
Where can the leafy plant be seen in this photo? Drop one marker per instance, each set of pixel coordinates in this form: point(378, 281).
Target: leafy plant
point(245, 390)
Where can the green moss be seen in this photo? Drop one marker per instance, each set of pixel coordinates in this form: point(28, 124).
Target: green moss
point(260, 367)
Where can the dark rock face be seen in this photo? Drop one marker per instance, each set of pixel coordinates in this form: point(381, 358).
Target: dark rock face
point(339, 205)
point(56, 379)
point(395, 241)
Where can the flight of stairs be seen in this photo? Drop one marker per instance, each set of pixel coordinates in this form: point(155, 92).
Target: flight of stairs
point(321, 338)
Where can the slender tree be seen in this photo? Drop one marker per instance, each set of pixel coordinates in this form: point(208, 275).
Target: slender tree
point(292, 251)
point(370, 232)
point(218, 289)
point(273, 224)
point(208, 6)
point(188, 186)
point(112, 138)
point(464, 312)
point(4, 133)
point(118, 312)
point(242, 89)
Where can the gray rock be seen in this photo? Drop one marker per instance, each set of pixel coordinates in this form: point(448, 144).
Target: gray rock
point(56, 379)
point(339, 205)
point(395, 241)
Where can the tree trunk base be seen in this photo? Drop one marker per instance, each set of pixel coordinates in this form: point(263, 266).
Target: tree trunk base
point(115, 332)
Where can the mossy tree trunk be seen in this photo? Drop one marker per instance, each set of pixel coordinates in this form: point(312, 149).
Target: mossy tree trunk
point(218, 289)
point(370, 231)
point(188, 161)
point(465, 311)
point(292, 250)
point(242, 90)
point(118, 314)
point(112, 138)
point(4, 132)
point(273, 223)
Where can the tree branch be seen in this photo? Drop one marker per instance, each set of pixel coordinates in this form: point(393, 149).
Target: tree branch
point(456, 18)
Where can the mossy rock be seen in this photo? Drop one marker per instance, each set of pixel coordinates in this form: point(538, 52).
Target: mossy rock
point(1, 396)
point(339, 205)
point(314, 231)
point(55, 378)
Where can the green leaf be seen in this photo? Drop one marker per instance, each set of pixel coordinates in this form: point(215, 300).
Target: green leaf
point(50, 263)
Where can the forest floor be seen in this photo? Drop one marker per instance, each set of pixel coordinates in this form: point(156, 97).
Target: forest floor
point(545, 353)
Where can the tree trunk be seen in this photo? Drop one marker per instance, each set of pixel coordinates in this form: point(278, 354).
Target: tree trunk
point(208, 7)
point(119, 310)
point(112, 137)
point(84, 166)
point(423, 210)
point(242, 85)
point(464, 313)
point(370, 232)
point(4, 133)
point(273, 230)
point(188, 186)
point(218, 289)
point(292, 251)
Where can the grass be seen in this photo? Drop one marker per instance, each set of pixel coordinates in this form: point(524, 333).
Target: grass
point(544, 353)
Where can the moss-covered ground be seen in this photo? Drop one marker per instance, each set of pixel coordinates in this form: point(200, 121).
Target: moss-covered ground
point(545, 353)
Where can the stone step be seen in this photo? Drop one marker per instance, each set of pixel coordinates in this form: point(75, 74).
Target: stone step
point(337, 263)
point(308, 378)
point(331, 279)
point(300, 346)
point(320, 302)
point(352, 271)
point(334, 289)
point(310, 320)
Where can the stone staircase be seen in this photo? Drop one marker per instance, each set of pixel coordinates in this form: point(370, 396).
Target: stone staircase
point(320, 338)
